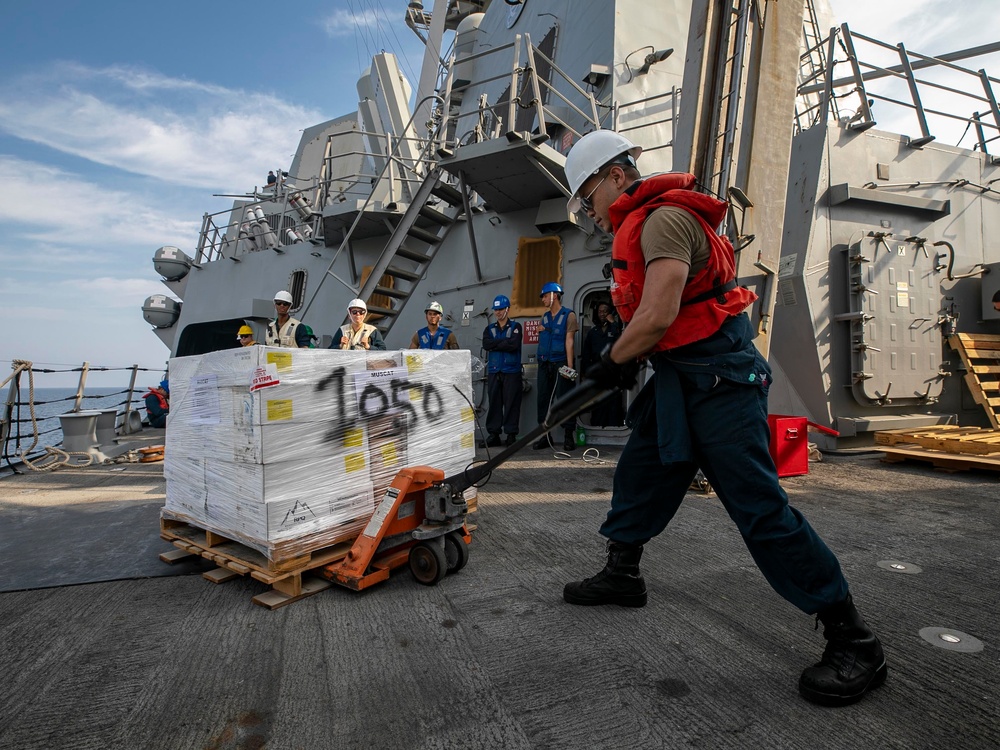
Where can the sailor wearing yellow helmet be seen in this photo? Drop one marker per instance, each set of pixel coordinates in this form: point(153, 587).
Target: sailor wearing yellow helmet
point(245, 336)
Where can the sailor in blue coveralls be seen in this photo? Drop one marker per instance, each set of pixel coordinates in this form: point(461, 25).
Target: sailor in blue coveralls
point(555, 359)
point(433, 336)
point(502, 340)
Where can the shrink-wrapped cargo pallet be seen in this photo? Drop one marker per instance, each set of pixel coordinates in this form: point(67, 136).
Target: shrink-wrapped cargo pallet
point(286, 450)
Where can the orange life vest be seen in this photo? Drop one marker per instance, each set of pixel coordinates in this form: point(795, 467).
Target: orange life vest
point(711, 296)
point(159, 397)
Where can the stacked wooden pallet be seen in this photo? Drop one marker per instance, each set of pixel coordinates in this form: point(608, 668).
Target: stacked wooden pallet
point(981, 355)
point(946, 447)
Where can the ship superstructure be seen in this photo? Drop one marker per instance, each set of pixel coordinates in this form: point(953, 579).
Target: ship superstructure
point(462, 196)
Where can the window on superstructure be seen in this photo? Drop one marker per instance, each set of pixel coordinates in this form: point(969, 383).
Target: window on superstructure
point(297, 288)
point(539, 261)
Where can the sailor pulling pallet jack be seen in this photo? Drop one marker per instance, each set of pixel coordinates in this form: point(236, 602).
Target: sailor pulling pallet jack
point(705, 406)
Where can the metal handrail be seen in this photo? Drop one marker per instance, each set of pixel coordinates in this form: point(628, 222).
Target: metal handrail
point(980, 95)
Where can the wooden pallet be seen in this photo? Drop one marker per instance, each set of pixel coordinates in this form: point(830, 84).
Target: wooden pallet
point(289, 578)
point(940, 459)
point(947, 438)
point(946, 447)
point(981, 355)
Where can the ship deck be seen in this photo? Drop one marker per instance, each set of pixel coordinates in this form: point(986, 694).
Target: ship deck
point(104, 646)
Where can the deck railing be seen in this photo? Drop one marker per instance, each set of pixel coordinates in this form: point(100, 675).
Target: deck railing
point(23, 428)
point(899, 88)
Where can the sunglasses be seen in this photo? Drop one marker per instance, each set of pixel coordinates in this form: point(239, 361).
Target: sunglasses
point(283, 304)
point(246, 335)
point(585, 203)
point(357, 312)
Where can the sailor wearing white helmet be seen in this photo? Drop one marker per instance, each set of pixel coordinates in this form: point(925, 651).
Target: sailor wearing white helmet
point(434, 336)
point(285, 330)
point(357, 334)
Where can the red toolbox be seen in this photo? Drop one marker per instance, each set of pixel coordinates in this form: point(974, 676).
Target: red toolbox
point(789, 445)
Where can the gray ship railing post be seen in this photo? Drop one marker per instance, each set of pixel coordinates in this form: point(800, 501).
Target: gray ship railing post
point(514, 74)
point(536, 90)
point(828, 103)
point(8, 409)
point(864, 114)
point(988, 89)
point(80, 386)
point(925, 134)
point(128, 398)
point(468, 221)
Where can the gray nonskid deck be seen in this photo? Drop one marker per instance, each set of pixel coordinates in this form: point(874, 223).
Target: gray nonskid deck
point(492, 657)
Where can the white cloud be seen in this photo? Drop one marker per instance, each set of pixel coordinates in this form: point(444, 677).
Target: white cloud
point(188, 134)
point(47, 206)
point(349, 23)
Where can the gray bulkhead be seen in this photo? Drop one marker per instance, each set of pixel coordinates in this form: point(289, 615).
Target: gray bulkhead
point(864, 297)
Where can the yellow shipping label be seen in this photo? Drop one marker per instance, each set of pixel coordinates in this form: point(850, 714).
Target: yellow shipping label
point(416, 394)
point(279, 410)
point(467, 439)
point(354, 462)
point(282, 360)
point(354, 438)
point(414, 363)
point(467, 414)
point(389, 457)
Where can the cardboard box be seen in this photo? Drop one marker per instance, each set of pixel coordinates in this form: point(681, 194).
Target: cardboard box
point(273, 445)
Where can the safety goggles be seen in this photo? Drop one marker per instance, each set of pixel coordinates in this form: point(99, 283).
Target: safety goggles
point(585, 201)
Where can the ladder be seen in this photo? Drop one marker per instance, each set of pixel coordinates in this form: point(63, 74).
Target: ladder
point(436, 207)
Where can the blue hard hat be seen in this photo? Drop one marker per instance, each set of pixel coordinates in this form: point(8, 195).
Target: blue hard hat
point(165, 385)
point(551, 287)
point(500, 302)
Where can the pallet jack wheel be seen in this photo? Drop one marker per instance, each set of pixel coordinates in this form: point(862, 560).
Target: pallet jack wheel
point(428, 563)
point(456, 551)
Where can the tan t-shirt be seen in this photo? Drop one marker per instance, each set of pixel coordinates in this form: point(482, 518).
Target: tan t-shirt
point(671, 232)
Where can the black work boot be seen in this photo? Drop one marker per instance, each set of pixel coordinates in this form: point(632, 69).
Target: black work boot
point(511, 439)
point(852, 663)
point(619, 583)
point(569, 441)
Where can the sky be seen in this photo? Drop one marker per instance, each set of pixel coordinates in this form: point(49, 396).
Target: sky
point(119, 120)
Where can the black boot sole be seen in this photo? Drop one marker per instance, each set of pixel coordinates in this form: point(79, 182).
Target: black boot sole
point(622, 600)
point(837, 699)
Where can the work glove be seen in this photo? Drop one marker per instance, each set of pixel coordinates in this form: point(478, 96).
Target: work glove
point(610, 374)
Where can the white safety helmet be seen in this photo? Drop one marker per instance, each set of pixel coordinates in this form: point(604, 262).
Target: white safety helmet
point(354, 303)
point(434, 307)
point(592, 152)
point(283, 296)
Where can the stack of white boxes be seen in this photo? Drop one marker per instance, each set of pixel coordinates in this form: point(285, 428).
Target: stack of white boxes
point(288, 449)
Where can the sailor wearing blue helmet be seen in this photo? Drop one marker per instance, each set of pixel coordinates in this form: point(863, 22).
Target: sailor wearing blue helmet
point(502, 341)
point(555, 359)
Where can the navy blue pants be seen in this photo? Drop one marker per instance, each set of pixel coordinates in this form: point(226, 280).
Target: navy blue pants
point(504, 391)
point(549, 379)
point(729, 439)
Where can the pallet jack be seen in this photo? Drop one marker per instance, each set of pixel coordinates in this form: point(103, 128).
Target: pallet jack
point(421, 518)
